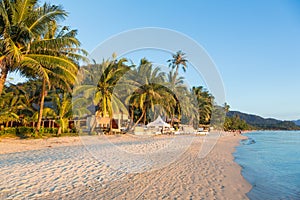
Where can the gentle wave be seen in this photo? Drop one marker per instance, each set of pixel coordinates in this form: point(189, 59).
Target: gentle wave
point(270, 161)
point(248, 141)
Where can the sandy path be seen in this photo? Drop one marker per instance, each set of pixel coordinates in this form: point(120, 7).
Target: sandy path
point(71, 172)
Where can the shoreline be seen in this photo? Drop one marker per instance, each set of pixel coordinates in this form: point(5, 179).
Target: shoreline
point(215, 176)
point(246, 186)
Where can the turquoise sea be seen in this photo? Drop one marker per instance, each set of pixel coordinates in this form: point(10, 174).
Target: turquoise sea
point(270, 161)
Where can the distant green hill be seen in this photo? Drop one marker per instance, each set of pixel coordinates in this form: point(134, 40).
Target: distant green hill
point(264, 123)
point(297, 122)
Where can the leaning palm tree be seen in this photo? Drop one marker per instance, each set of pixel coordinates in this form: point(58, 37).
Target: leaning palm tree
point(54, 60)
point(22, 22)
point(148, 89)
point(179, 59)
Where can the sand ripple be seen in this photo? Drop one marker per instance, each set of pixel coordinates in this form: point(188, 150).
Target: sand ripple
point(87, 172)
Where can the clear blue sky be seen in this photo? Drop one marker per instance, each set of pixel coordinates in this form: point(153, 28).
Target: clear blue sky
point(255, 44)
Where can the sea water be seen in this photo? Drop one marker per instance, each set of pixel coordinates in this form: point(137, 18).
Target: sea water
point(270, 162)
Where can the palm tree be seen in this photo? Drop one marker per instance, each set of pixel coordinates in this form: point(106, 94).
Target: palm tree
point(62, 111)
point(27, 94)
point(53, 59)
point(30, 97)
point(148, 86)
point(205, 104)
point(101, 89)
point(179, 89)
point(179, 59)
point(106, 98)
point(9, 105)
point(23, 23)
point(226, 107)
point(190, 109)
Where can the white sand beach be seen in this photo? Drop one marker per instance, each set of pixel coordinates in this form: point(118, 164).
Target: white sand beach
point(124, 167)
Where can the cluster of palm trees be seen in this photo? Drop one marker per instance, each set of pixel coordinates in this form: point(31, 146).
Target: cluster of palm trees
point(20, 104)
point(143, 91)
point(33, 43)
point(113, 86)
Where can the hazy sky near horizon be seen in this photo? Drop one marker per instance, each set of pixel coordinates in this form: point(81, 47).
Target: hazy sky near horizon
point(254, 44)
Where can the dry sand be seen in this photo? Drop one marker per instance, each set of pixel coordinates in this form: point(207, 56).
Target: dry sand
point(62, 168)
point(12, 145)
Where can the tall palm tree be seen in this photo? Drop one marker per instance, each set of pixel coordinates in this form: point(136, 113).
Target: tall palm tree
point(148, 86)
point(178, 59)
point(180, 91)
point(176, 83)
point(22, 22)
point(54, 60)
point(106, 98)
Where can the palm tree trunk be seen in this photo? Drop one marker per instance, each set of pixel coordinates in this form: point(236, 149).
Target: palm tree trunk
point(110, 124)
point(138, 121)
point(59, 131)
point(3, 77)
point(191, 122)
point(61, 127)
point(132, 116)
point(93, 125)
point(172, 120)
point(176, 72)
point(41, 106)
point(145, 118)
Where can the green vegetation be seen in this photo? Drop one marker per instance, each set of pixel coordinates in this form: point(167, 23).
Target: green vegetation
point(142, 92)
point(258, 123)
point(235, 123)
point(29, 132)
point(113, 86)
point(33, 42)
point(206, 103)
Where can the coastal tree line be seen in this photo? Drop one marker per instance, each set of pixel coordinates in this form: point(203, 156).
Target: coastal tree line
point(35, 44)
point(110, 87)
